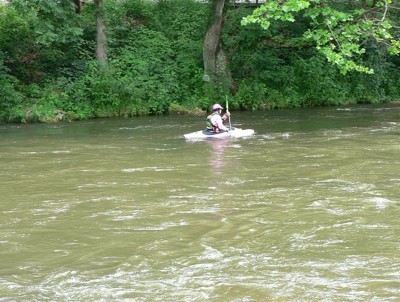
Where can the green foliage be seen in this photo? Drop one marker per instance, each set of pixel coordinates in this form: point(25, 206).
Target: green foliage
point(319, 84)
point(147, 64)
point(251, 95)
point(124, 16)
point(142, 78)
point(9, 96)
point(47, 33)
point(183, 23)
point(337, 30)
point(295, 76)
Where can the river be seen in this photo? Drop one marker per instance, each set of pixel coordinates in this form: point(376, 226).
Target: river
point(127, 210)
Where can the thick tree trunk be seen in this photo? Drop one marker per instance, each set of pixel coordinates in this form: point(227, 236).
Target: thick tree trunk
point(101, 49)
point(216, 69)
point(212, 43)
point(78, 6)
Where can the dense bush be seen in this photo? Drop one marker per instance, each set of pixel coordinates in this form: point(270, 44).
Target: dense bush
point(274, 74)
point(10, 98)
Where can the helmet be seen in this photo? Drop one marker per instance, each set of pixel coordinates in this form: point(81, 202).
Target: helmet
point(216, 107)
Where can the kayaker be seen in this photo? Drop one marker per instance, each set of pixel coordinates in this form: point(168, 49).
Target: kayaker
point(215, 122)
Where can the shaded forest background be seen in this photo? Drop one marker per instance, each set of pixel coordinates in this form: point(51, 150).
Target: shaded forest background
point(49, 71)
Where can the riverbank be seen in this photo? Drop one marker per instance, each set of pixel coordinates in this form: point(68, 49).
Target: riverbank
point(33, 115)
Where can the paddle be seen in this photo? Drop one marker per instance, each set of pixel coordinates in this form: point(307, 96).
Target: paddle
point(227, 110)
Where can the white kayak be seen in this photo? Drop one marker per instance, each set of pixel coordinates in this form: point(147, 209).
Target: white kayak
point(205, 134)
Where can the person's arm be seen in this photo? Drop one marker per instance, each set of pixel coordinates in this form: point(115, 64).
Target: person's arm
point(220, 124)
point(226, 115)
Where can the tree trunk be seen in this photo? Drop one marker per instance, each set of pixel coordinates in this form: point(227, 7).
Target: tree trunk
point(216, 70)
point(101, 49)
point(78, 6)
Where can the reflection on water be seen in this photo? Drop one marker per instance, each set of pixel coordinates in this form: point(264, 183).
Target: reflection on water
point(217, 158)
point(127, 210)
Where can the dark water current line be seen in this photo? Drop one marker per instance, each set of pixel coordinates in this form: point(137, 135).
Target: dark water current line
point(127, 210)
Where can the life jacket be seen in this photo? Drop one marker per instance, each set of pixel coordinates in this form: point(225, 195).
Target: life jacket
point(209, 125)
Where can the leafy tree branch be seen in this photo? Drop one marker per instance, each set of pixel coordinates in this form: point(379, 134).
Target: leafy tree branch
point(338, 29)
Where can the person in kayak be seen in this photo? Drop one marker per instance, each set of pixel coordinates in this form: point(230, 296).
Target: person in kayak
point(215, 122)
